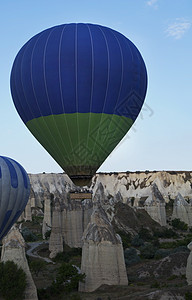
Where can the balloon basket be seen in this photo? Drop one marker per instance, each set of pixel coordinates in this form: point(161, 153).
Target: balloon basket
point(80, 195)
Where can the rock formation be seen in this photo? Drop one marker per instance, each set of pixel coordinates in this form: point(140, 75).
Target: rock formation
point(76, 215)
point(133, 188)
point(138, 184)
point(52, 183)
point(56, 239)
point(14, 249)
point(102, 253)
point(72, 218)
point(182, 210)
point(135, 185)
point(155, 206)
point(189, 266)
point(28, 213)
point(47, 215)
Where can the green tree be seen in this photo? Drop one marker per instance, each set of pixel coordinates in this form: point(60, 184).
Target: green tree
point(148, 251)
point(126, 238)
point(145, 234)
point(178, 224)
point(137, 241)
point(67, 278)
point(131, 257)
point(47, 234)
point(12, 281)
point(37, 266)
point(28, 235)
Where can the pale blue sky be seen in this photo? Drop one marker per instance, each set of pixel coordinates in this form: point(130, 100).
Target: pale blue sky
point(161, 138)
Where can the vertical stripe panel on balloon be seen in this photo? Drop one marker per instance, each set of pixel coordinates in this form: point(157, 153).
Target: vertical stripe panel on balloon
point(100, 70)
point(30, 103)
point(24, 175)
point(64, 127)
point(68, 68)
point(17, 91)
point(39, 102)
point(52, 79)
point(17, 197)
point(115, 71)
point(13, 201)
point(6, 218)
point(6, 182)
point(84, 81)
point(107, 71)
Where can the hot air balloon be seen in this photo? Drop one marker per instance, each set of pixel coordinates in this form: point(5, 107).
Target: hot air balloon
point(79, 88)
point(14, 193)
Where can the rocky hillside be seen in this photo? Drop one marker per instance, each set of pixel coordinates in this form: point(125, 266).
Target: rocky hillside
point(129, 184)
point(137, 184)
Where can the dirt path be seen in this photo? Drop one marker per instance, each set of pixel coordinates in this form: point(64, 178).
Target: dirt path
point(31, 251)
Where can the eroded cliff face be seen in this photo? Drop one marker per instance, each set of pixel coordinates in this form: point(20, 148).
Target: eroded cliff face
point(128, 185)
point(138, 184)
point(47, 184)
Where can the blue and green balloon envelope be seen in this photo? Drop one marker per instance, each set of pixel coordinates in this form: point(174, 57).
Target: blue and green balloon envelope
point(14, 193)
point(79, 88)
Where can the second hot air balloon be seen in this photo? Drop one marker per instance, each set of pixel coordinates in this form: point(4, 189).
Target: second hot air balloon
point(79, 88)
point(14, 193)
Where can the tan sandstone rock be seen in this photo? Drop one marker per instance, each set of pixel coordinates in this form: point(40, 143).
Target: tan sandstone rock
point(76, 215)
point(102, 254)
point(28, 212)
point(155, 206)
point(69, 220)
point(182, 210)
point(189, 266)
point(47, 215)
point(56, 239)
point(14, 249)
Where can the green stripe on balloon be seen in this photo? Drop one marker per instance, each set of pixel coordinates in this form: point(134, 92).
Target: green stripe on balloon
point(79, 142)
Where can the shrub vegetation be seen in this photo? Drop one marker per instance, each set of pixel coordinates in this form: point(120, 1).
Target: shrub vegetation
point(12, 281)
point(137, 241)
point(131, 257)
point(67, 281)
point(148, 251)
point(178, 224)
point(126, 238)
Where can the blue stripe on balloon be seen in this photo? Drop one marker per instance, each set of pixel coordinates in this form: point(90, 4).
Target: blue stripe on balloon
point(25, 177)
point(66, 68)
point(12, 171)
point(5, 220)
point(24, 174)
point(100, 70)
point(22, 106)
point(33, 83)
point(17, 215)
